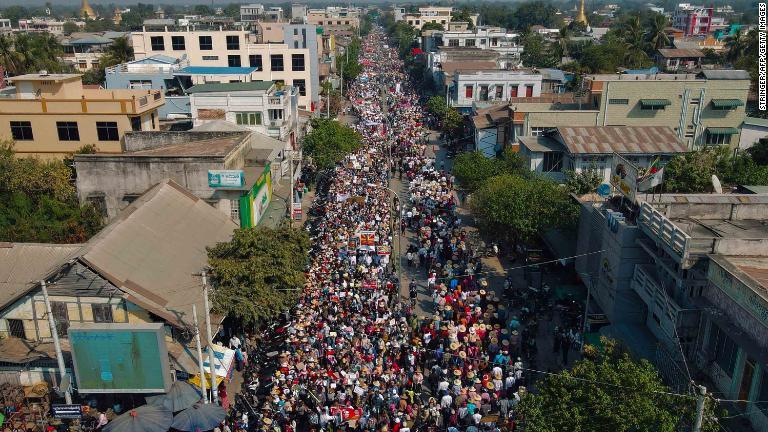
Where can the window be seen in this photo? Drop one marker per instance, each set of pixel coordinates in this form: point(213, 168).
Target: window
point(553, 162)
point(206, 43)
point(158, 43)
point(618, 101)
point(152, 117)
point(723, 349)
point(468, 90)
point(297, 62)
point(483, 41)
point(248, 118)
point(16, 328)
point(528, 91)
point(469, 42)
point(483, 92)
point(275, 114)
point(140, 84)
point(499, 91)
point(538, 131)
point(295, 32)
point(135, 124)
point(513, 91)
point(301, 85)
point(234, 210)
point(102, 312)
point(68, 131)
point(276, 62)
point(233, 42)
point(60, 317)
point(453, 42)
point(178, 43)
point(718, 139)
point(233, 61)
point(255, 61)
point(210, 58)
point(21, 130)
point(107, 131)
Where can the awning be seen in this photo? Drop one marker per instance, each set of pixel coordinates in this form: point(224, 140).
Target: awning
point(727, 103)
point(654, 103)
point(722, 131)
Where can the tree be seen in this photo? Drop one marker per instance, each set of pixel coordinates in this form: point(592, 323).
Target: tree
point(711, 57)
point(120, 51)
point(582, 182)
point(608, 390)
point(259, 273)
point(131, 20)
point(537, 52)
point(657, 35)
point(202, 10)
point(38, 202)
point(329, 142)
point(473, 169)
point(517, 209)
point(692, 172)
point(633, 35)
point(536, 13)
point(759, 151)
point(433, 26)
point(735, 46)
point(462, 16)
point(70, 27)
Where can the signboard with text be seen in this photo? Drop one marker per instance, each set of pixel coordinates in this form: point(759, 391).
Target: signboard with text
point(62, 411)
point(624, 176)
point(226, 178)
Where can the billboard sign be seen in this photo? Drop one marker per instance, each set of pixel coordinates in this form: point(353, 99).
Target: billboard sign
point(624, 176)
point(226, 178)
point(61, 411)
point(120, 358)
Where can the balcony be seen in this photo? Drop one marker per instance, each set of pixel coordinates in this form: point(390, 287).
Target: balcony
point(92, 101)
point(277, 102)
point(656, 225)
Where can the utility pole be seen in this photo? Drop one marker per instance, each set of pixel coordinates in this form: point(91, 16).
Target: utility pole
point(290, 173)
point(56, 343)
point(700, 396)
point(199, 353)
point(211, 356)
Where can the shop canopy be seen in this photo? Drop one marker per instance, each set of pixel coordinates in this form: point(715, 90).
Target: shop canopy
point(654, 103)
point(727, 103)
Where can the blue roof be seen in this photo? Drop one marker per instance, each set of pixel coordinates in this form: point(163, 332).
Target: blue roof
point(215, 70)
point(155, 59)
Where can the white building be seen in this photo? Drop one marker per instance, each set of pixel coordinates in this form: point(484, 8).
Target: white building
point(591, 148)
point(5, 25)
point(298, 12)
point(433, 14)
point(751, 131)
point(490, 38)
point(260, 106)
point(251, 12)
point(483, 86)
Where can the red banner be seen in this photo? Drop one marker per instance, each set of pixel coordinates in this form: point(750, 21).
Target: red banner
point(347, 413)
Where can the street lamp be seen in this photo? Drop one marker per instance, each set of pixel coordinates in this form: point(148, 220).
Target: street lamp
point(394, 230)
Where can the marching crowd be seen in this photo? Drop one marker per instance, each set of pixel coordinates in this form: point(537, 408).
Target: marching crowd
point(357, 357)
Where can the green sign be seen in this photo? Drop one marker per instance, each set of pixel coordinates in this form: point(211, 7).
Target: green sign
point(226, 179)
point(120, 358)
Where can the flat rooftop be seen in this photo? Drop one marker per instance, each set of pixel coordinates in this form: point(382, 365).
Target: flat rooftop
point(215, 70)
point(708, 228)
point(46, 77)
point(208, 147)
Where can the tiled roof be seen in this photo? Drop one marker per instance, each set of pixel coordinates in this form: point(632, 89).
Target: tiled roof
point(621, 139)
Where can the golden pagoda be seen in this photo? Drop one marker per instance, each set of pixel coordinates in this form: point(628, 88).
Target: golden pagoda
point(582, 16)
point(118, 16)
point(86, 11)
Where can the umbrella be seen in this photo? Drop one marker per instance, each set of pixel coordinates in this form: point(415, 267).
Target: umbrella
point(146, 418)
point(181, 396)
point(199, 417)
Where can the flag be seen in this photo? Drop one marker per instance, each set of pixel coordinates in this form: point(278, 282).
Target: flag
point(650, 181)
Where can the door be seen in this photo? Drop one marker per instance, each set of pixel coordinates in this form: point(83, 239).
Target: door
point(746, 379)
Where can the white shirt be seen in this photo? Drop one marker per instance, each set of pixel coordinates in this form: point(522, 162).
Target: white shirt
point(446, 401)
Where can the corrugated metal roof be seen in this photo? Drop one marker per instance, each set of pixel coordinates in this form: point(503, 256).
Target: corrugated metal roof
point(725, 74)
point(215, 70)
point(755, 121)
point(155, 245)
point(621, 139)
point(680, 52)
point(21, 264)
point(540, 144)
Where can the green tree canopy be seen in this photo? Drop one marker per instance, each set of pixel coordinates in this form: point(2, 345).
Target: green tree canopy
point(259, 273)
point(582, 182)
point(433, 26)
point(462, 15)
point(536, 13)
point(38, 202)
point(473, 169)
point(517, 209)
point(329, 142)
point(608, 391)
point(537, 52)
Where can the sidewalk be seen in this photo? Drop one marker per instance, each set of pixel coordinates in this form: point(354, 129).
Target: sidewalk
point(277, 210)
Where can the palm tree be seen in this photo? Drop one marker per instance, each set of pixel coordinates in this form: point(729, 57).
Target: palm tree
point(9, 57)
point(634, 42)
point(563, 40)
point(657, 35)
point(119, 52)
point(736, 46)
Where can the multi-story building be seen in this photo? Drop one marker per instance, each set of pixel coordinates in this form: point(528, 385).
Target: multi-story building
point(433, 14)
point(298, 13)
point(5, 25)
point(251, 12)
point(293, 62)
point(52, 115)
point(693, 20)
point(44, 25)
point(84, 51)
point(338, 22)
point(677, 59)
point(260, 106)
point(274, 14)
point(473, 86)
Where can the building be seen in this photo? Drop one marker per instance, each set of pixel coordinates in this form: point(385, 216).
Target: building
point(260, 106)
point(471, 86)
point(433, 14)
point(293, 62)
point(677, 59)
point(5, 25)
point(134, 271)
point(298, 13)
point(274, 14)
point(752, 131)
point(693, 20)
point(52, 115)
point(580, 149)
point(84, 51)
point(45, 25)
point(484, 37)
point(649, 265)
point(250, 13)
point(338, 22)
point(194, 159)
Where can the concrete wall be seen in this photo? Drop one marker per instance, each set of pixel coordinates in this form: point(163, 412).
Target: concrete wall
point(751, 134)
point(160, 81)
point(504, 79)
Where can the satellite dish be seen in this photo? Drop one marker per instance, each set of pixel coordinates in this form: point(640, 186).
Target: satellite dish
point(716, 184)
point(604, 190)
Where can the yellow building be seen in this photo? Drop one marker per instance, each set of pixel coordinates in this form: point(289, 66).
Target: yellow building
point(53, 115)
